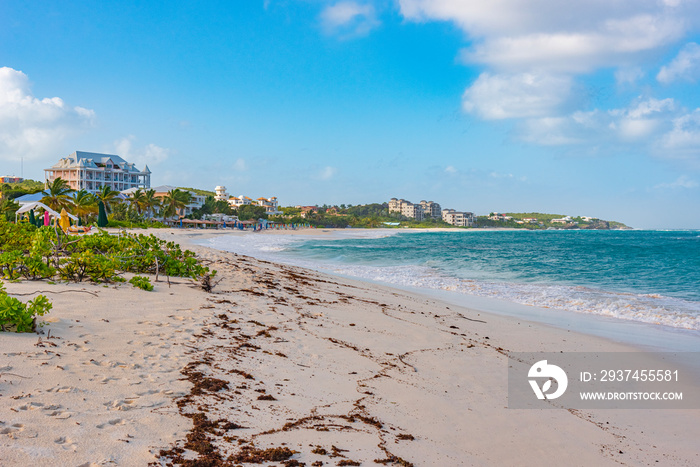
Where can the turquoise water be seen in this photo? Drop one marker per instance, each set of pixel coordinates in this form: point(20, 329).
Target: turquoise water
point(646, 276)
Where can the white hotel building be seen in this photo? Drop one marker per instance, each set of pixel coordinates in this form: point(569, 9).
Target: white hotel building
point(416, 211)
point(270, 204)
point(90, 171)
point(458, 218)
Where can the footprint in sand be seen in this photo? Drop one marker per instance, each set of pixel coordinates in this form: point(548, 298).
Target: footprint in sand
point(66, 443)
point(60, 414)
point(18, 430)
point(115, 422)
point(122, 404)
point(62, 389)
point(107, 461)
point(30, 406)
point(12, 429)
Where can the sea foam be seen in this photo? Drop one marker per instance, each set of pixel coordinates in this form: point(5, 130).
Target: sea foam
point(332, 253)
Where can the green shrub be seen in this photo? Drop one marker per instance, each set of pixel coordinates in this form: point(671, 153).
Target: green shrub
point(21, 316)
point(141, 282)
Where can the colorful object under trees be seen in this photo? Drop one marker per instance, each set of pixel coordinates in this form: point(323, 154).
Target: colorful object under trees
point(102, 215)
point(64, 222)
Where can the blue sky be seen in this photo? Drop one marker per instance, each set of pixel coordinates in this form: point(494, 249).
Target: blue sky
point(508, 105)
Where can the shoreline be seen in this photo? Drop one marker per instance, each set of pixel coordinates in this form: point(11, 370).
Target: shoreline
point(639, 334)
point(301, 360)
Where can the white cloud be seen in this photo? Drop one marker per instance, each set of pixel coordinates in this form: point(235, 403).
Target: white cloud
point(682, 141)
point(516, 95)
point(681, 182)
point(349, 19)
point(508, 176)
point(573, 37)
point(31, 127)
point(643, 121)
point(150, 154)
point(326, 173)
point(532, 53)
point(553, 131)
point(628, 75)
point(240, 165)
point(450, 170)
point(686, 65)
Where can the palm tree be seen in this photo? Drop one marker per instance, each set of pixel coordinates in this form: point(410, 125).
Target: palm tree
point(57, 194)
point(137, 200)
point(151, 202)
point(108, 196)
point(175, 202)
point(85, 204)
point(9, 207)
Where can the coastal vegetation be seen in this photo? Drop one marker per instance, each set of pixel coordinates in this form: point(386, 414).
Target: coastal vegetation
point(46, 253)
point(539, 221)
point(141, 208)
point(377, 215)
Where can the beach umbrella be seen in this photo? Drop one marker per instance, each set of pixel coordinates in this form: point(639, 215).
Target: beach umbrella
point(80, 221)
point(32, 219)
point(64, 222)
point(102, 215)
point(46, 219)
point(181, 223)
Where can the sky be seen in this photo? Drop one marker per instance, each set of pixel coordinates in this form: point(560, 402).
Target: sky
point(580, 108)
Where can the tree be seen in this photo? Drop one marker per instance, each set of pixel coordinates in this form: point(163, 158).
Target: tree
point(151, 202)
point(175, 202)
point(138, 200)
point(248, 211)
point(9, 208)
point(108, 197)
point(57, 195)
point(223, 207)
point(85, 204)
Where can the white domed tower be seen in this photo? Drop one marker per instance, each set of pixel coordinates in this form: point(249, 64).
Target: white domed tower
point(221, 194)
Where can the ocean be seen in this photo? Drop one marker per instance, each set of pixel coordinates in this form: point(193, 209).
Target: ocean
point(649, 277)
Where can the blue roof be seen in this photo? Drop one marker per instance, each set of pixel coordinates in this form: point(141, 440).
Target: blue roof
point(25, 199)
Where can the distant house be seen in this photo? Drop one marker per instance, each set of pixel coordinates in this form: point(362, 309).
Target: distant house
point(91, 171)
point(236, 202)
point(307, 210)
point(11, 179)
point(270, 205)
point(563, 220)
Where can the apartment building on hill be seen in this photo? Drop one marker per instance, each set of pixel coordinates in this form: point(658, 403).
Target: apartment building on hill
point(415, 211)
point(458, 218)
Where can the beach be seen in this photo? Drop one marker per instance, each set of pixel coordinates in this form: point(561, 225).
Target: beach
point(279, 364)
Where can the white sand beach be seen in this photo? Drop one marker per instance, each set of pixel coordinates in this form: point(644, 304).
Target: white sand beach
point(277, 358)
